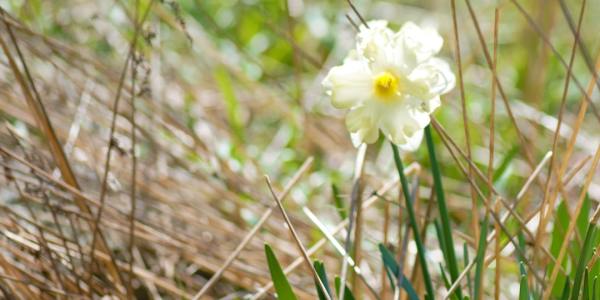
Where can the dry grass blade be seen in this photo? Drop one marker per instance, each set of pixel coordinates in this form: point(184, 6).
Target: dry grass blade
point(546, 209)
point(136, 133)
point(111, 140)
point(465, 119)
point(38, 110)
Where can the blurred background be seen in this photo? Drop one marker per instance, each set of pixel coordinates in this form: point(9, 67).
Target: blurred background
point(222, 93)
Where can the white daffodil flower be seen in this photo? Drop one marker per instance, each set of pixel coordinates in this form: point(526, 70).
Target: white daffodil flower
point(391, 82)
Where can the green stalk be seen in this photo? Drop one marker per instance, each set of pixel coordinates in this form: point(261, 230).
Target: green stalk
point(480, 259)
point(443, 209)
point(413, 224)
point(586, 252)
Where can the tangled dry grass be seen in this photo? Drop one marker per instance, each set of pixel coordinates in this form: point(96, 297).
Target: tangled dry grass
point(83, 217)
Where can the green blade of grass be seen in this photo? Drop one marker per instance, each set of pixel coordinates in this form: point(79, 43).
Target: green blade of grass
point(468, 275)
point(282, 286)
point(413, 223)
point(347, 292)
point(586, 252)
point(594, 286)
point(480, 259)
point(394, 270)
point(565, 292)
point(443, 209)
point(438, 233)
point(339, 202)
point(586, 286)
point(502, 170)
point(583, 219)
point(231, 103)
point(522, 244)
point(320, 268)
point(447, 282)
point(561, 222)
point(524, 287)
point(444, 276)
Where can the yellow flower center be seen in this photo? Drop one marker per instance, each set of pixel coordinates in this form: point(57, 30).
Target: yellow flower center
point(385, 85)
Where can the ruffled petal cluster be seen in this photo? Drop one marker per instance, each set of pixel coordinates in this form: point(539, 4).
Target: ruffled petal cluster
point(391, 82)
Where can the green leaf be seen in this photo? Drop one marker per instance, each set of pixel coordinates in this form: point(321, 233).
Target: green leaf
point(586, 286)
point(559, 229)
point(339, 202)
point(320, 268)
point(413, 222)
point(466, 262)
point(231, 103)
point(503, 169)
point(480, 259)
point(586, 252)
point(347, 292)
point(583, 219)
point(524, 288)
point(439, 234)
point(522, 246)
point(282, 286)
point(443, 209)
point(444, 276)
point(594, 286)
point(565, 292)
point(394, 270)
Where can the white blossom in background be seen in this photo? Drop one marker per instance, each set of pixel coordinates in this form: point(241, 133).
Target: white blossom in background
point(391, 82)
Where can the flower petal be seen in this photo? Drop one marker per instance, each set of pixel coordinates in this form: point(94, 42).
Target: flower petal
point(431, 105)
point(401, 124)
point(359, 117)
point(349, 84)
point(361, 122)
point(370, 41)
point(431, 79)
point(412, 142)
point(419, 43)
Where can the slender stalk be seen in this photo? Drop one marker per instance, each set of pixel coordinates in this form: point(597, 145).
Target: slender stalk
point(360, 159)
point(413, 223)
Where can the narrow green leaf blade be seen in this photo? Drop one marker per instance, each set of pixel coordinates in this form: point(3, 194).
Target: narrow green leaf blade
point(394, 270)
point(503, 168)
point(320, 268)
point(586, 286)
point(421, 252)
point(443, 209)
point(347, 292)
point(231, 103)
point(339, 202)
point(480, 258)
point(524, 288)
point(282, 286)
point(565, 292)
point(586, 252)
